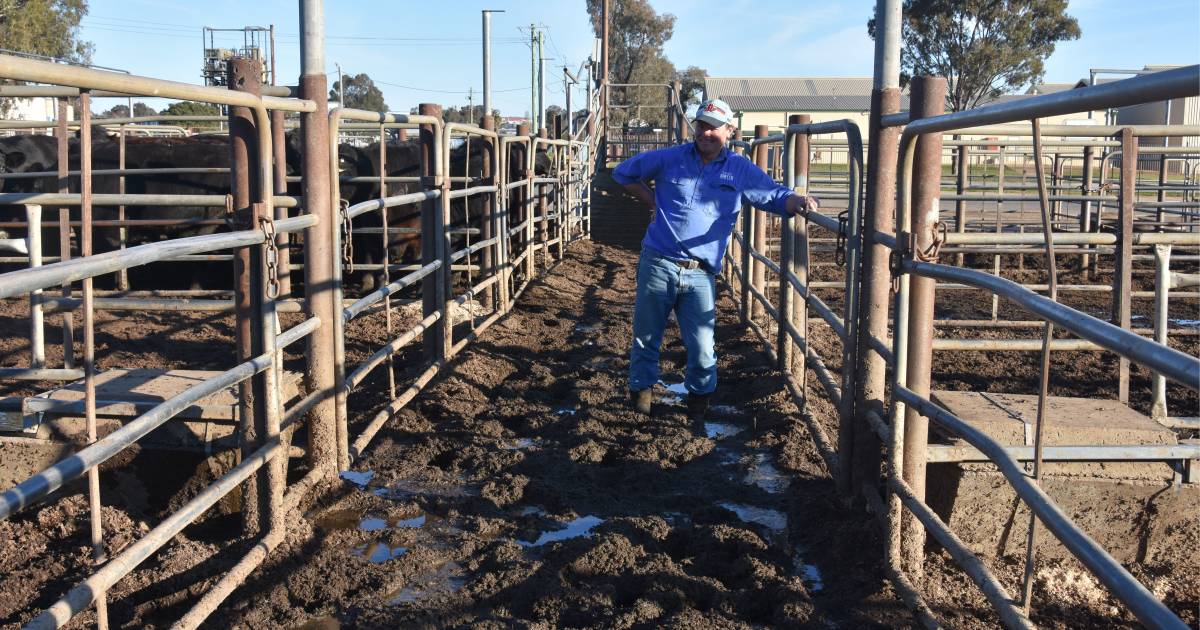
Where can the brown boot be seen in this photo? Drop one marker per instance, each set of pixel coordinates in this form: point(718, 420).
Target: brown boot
point(697, 406)
point(641, 400)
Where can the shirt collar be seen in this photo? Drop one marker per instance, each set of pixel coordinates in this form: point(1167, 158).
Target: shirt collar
point(720, 156)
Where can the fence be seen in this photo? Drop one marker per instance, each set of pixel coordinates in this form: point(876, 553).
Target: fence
point(515, 209)
point(882, 391)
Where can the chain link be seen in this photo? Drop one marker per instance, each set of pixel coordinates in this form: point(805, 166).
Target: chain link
point(272, 256)
point(839, 250)
point(347, 233)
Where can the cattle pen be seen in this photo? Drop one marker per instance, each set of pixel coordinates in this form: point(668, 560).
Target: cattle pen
point(380, 382)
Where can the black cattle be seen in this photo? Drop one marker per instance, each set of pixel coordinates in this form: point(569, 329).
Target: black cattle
point(26, 154)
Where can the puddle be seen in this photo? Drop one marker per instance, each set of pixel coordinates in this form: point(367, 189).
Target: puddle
point(358, 478)
point(519, 444)
point(719, 430)
point(565, 411)
point(444, 582)
point(763, 474)
point(808, 573)
point(773, 520)
point(530, 510)
point(581, 526)
point(679, 389)
point(1189, 323)
point(354, 519)
point(588, 329)
point(328, 622)
point(373, 524)
point(724, 410)
point(378, 552)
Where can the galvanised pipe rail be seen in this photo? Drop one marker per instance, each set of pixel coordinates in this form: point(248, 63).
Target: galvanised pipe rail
point(129, 199)
point(1148, 609)
point(26, 280)
point(1169, 362)
point(76, 465)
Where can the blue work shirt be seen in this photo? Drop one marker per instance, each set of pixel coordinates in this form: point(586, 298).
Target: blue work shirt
point(696, 205)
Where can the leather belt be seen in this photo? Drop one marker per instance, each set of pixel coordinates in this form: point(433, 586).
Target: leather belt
point(690, 263)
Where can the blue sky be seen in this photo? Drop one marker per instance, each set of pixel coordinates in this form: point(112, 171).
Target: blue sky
point(430, 51)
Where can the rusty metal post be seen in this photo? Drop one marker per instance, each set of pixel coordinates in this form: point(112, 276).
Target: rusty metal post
point(258, 508)
point(960, 187)
point(748, 220)
point(327, 439)
point(929, 99)
point(431, 222)
point(794, 249)
point(279, 152)
point(528, 172)
point(99, 555)
point(759, 278)
point(859, 448)
point(487, 256)
point(64, 229)
point(1123, 273)
point(1085, 209)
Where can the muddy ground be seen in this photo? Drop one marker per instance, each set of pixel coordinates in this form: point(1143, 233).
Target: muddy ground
point(521, 490)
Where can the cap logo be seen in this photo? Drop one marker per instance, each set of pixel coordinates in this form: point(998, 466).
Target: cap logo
point(713, 108)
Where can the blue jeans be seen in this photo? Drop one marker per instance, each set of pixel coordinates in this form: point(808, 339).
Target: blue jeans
point(662, 287)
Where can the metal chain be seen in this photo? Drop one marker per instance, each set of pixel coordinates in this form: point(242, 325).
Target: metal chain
point(931, 253)
point(839, 250)
point(272, 256)
point(347, 233)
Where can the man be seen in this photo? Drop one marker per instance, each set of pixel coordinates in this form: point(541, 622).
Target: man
point(697, 196)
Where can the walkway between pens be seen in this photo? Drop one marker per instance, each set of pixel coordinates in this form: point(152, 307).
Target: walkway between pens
point(522, 489)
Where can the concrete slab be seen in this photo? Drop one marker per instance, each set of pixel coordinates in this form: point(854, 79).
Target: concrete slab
point(1011, 420)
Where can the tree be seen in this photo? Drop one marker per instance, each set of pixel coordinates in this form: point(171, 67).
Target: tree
point(187, 108)
point(360, 93)
point(117, 111)
point(142, 109)
point(691, 85)
point(635, 55)
point(45, 27)
point(982, 47)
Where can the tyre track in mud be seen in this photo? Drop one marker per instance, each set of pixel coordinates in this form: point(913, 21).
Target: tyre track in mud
point(521, 489)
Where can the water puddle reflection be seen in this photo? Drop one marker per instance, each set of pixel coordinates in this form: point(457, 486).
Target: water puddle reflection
point(358, 478)
point(355, 519)
point(773, 520)
point(519, 444)
point(720, 430)
point(446, 581)
point(724, 410)
point(808, 573)
point(581, 526)
point(565, 411)
point(677, 392)
point(1190, 323)
point(378, 552)
point(762, 473)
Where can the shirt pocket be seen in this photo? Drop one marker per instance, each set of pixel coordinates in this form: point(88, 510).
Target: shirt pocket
point(721, 196)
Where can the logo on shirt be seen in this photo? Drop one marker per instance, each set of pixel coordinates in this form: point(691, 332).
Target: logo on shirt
point(726, 176)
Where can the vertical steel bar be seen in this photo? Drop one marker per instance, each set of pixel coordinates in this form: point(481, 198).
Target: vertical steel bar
point(1000, 177)
point(327, 441)
point(859, 448)
point(518, 169)
point(543, 206)
point(37, 324)
point(89, 340)
point(487, 222)
point(122, 232)
point(960, 187)
point(1123, 274)
point(759, 277)
point(64, 229)
point(929, 98)
point(431, 286)
point(787, 261)
point(1085, 208)
point(386, 257)
point(529, 172)
point(279, 141)
point(1162, 287)
point(1044, 376)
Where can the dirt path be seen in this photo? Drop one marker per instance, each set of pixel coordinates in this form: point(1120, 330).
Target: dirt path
point(522, 490)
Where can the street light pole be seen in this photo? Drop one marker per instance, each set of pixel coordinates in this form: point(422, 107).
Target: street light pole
point(487, 59)
point(341, 86)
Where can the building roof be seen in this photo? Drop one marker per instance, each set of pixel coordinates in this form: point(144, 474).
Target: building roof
point(794, 93)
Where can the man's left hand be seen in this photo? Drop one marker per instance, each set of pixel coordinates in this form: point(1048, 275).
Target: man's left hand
point(797, 204)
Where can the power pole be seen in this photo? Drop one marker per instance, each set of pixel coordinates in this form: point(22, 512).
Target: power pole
point(541, 80)
point(341, 86)
point(470, 104)
point(533, 78)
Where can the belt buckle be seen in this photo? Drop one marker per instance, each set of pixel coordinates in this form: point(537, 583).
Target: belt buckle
point(690, 263)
